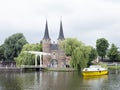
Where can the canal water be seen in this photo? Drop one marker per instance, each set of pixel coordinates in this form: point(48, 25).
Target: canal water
point(59, 81)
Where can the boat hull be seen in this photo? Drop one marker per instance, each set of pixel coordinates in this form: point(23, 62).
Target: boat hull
point(94, 73)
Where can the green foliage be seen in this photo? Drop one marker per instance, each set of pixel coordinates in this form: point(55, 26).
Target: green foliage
point(113, 53)
point(102, 46)
point(25, 58)
point(2, 58)
point(119, 56)
point(13, 45)
point(81, 55)
point(70, 44)
point(92, 55)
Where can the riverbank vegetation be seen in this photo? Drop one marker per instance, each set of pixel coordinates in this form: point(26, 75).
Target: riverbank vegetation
point(81, 55)
point(14, 47)
point(102, 46)
point(26, 58)
point(112, 66)
point(113, 53)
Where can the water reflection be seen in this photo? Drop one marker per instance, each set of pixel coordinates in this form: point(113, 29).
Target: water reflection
point(59, 81)
point(114, 71)
point(95, 82)
point(56, 80)
point(15, 81)
point(96, 77)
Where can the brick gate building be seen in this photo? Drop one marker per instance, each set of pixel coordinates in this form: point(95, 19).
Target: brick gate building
point(57, 57)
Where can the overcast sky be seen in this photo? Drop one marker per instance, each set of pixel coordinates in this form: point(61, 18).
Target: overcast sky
point(86, 20)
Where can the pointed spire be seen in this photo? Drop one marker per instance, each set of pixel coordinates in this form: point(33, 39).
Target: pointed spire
point(61, 34)
point(46, 34)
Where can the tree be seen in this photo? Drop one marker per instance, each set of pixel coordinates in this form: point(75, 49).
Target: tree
point(80, 57)
point(70, 44)
point(92, 55)
point(102, 46)
point(119, 56)
point(2, 58)
point(13, 45)
point(113, 53)
point(25, 58)
point(80, 54)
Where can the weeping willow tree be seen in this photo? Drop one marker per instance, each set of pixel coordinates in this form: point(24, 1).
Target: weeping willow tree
point(70, 44)
point(81, 55)
point(25, 58)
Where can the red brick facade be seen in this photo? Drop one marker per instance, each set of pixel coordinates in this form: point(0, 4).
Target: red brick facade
point(57, 57)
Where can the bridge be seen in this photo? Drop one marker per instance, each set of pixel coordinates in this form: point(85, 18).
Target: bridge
point(37, 53)
point(35, 67)
point(25, 67)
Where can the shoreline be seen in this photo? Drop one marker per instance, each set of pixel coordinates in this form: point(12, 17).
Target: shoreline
point(62, 69)
point(110, 66)
point(21, 69)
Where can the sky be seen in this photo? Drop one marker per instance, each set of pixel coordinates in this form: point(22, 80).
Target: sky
point(86, 20)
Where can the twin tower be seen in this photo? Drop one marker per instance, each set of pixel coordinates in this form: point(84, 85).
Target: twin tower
point(57, 57)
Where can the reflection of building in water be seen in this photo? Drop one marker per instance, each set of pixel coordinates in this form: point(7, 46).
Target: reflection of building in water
point(58, 57)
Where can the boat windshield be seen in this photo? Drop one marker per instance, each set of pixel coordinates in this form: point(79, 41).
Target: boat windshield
point(95, 66)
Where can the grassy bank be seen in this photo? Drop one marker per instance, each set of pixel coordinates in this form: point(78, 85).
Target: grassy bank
point(110, 66)
point(114, 67)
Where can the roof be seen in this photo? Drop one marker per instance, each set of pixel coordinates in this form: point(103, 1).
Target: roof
point(54, 46)
point(46, 34)
point(61, 34)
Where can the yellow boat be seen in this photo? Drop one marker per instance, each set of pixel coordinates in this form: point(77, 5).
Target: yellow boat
point(94, 70)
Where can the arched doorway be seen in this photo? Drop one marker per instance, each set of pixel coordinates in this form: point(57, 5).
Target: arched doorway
point(54, 63)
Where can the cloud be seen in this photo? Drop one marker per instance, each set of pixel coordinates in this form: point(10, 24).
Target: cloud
point(86, 20)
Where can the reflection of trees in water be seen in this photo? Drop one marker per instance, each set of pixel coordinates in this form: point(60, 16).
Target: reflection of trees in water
point(40, 81)
point(114, 79)
point(15, 81)
point(114, 71)
point(59, 80)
